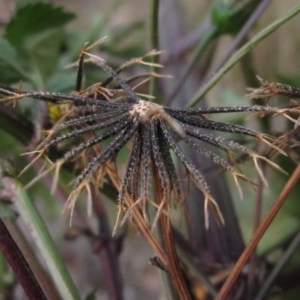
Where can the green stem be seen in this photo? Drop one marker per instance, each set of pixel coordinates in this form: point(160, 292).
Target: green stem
point(41, 235)
point(154, 40)
point(243, 51)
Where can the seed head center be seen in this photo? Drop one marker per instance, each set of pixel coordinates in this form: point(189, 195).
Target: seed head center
point(147, 110)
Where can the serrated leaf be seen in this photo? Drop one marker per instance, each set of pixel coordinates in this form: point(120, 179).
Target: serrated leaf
point(33, 19)
point(10, 65)
point(43, 50)
point(36, 32)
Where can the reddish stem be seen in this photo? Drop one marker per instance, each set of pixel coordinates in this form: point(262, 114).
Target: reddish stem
point(258, 234)
point(19, 265)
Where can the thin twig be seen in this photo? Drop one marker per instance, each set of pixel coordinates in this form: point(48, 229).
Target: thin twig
point(154, 39)
point(259, 233)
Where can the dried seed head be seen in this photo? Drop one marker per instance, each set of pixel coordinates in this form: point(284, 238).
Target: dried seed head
point(148, 110)
point(100, 112)
point(270, 89)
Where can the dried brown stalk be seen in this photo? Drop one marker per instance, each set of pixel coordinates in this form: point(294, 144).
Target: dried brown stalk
point(259, 233)
point(173, 263)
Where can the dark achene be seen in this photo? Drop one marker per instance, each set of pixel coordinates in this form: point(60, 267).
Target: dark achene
point(105, 110)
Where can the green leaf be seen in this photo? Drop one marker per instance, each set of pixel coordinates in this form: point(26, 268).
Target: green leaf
point(33, 19)
point(229, 16)
point(43, 50)
point(36, 33)
point(10, 65)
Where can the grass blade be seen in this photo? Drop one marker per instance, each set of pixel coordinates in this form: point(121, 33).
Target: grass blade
point(39, 232)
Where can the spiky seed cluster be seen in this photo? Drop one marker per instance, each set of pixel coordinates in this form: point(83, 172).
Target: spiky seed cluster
point(100, 113)
point(270, 89)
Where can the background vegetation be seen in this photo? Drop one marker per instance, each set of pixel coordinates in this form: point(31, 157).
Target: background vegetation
point(39, 39)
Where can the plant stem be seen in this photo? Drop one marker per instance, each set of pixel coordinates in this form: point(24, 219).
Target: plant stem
point(173, 263)
point(154, 41)
point(46, 245)
point(29, 252)
point(259, 233)
point(19, 265)
point(243, 51)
